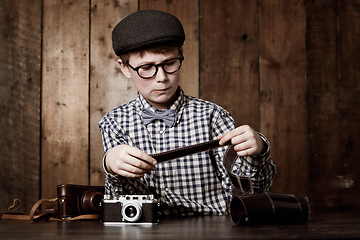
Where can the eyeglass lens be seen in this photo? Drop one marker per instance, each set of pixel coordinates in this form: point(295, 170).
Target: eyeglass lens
point(149, 70)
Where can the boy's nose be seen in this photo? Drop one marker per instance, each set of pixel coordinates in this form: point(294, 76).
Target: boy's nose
point(161, 76)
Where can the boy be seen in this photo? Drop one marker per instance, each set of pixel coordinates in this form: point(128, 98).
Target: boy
point(149, 46)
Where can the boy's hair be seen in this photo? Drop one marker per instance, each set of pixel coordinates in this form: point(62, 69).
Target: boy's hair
point(161, 49)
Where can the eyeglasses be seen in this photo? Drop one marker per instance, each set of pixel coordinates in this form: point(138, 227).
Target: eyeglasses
point(169, 66)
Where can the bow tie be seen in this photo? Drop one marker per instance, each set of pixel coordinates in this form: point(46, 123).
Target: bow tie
point(168, 116)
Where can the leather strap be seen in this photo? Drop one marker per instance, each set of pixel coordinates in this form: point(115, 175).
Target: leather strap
point(45, 215)
point(48, 214)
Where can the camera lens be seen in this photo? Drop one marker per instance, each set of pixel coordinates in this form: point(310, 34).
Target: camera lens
point(131, 212)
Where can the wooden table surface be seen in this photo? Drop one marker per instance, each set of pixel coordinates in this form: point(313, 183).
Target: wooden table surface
point(320, 226)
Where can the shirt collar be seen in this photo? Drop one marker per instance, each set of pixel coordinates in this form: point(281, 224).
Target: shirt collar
point(178, 105)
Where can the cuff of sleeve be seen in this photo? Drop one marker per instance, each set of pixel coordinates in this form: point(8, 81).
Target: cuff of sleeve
point(266, 151)
point(106, 171)
point(256, 161)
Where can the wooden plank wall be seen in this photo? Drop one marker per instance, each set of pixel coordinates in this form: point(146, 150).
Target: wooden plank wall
point(65, 91)
point(108, 88)
point(333, 95)
point(283, 90)
point(288, 68)
point(20, 84)
point(229, 69)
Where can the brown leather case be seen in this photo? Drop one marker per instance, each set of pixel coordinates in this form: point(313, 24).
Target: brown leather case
point(77, 200)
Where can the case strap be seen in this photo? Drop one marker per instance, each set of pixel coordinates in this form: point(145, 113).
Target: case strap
point(48, 214)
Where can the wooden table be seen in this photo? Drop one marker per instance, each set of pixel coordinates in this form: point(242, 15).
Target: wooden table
point(321, 226)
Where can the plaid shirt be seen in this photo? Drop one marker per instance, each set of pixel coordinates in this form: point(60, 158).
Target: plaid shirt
point(198, 181)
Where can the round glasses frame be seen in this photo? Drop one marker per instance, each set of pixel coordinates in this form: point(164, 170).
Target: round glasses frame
point(136, 69)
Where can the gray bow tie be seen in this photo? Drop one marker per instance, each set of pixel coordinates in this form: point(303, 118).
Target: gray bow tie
point(168, 116)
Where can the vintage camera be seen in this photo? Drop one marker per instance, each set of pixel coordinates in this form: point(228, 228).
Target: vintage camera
point(130, 209)
point(75, 200)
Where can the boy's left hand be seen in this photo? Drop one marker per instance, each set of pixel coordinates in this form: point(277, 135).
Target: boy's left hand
point(245, 140)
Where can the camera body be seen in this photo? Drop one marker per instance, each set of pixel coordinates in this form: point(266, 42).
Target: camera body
point(130, 209)
point(75, 200)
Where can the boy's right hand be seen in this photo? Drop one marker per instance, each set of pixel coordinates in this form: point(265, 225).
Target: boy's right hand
point(128, 161)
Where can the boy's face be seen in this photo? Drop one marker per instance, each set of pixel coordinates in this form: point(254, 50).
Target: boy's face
point(159, 90)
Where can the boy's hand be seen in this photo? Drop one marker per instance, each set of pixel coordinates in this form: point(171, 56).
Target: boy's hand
point(245, 140)
point(128, 161)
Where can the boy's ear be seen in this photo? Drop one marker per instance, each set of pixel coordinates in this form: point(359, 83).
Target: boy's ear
point(124, 68)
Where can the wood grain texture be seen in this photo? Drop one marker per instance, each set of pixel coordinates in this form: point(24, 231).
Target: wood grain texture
point(109, 88)
point(229, 52)
point(65, 94)
point(187, 11)
point(334, 115)
point(20, 76)
point(283, 84)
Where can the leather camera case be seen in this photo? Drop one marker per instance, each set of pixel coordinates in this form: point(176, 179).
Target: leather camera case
point(75, 200)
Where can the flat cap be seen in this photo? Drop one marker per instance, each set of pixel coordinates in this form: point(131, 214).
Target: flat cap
point(146, 28)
